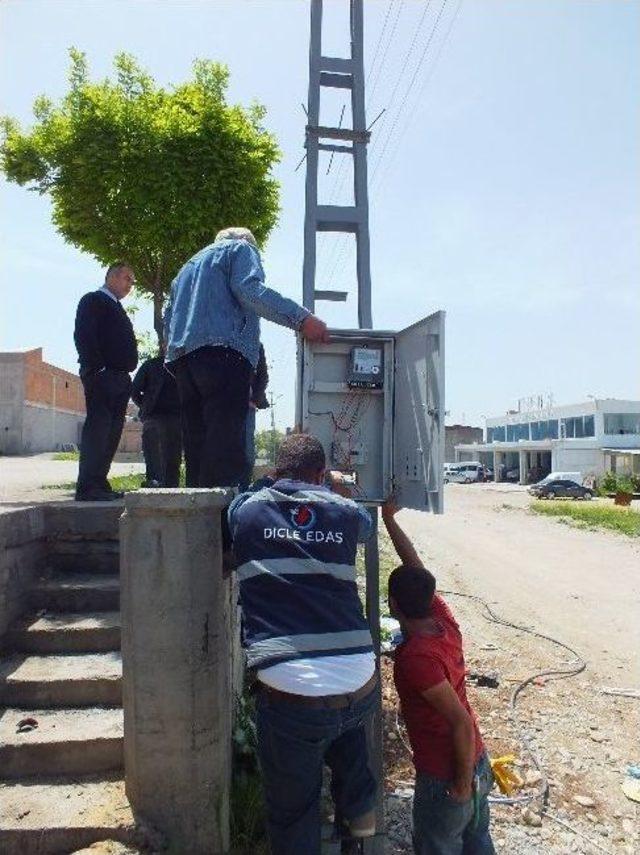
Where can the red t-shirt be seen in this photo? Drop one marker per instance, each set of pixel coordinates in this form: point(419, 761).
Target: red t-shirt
point(421, 662)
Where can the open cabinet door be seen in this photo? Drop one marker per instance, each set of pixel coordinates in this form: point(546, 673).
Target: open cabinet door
point(418, 420)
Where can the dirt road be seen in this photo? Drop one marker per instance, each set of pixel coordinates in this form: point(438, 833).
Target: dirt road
point(580, 586)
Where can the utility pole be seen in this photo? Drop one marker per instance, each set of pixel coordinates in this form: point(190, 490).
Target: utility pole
point(346, 73)
point(272, 404)
point(337, 73)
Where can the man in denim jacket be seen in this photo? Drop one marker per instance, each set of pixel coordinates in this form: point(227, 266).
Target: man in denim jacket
point(212, 339)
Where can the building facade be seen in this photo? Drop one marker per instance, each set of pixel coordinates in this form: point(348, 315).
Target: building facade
point(459, 435)
point(41, 406)
point(590, 438)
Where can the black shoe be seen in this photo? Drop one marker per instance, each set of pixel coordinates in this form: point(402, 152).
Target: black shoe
point(97, 495)
point(151, 484)
point(118, 494)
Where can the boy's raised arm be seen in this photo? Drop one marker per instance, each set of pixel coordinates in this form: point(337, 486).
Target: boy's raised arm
point(403, 546)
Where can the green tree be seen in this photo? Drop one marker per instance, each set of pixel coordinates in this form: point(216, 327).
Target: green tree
point(267, 443)
point(143, 173)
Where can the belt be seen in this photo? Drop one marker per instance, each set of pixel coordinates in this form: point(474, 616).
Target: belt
point(331, 702)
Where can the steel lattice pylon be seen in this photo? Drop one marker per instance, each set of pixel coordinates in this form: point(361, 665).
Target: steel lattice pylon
point(337, 73)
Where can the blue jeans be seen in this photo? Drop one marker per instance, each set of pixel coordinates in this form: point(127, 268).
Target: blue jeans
point(442, 826)
point(294, 742)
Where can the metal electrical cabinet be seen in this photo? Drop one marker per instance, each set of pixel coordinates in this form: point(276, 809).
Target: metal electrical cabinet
point(375, 399)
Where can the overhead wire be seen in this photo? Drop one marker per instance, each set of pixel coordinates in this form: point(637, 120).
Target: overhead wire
point(336, 261)
point(411, 114)
point(405, 97)
point(331, 261)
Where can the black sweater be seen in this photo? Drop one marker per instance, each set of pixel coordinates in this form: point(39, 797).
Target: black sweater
point(104, 334)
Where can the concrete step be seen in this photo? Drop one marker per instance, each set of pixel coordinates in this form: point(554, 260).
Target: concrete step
point(66, 742)
point(50, 632)
point(77, 592)
point(85, 680)
point(84, 555)
point(49, 818)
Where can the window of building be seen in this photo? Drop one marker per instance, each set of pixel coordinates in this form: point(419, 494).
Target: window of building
point(617, 423)
point(552, 428)
point(589, 426)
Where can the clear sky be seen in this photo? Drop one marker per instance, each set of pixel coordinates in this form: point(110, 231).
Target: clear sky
point(504, 176)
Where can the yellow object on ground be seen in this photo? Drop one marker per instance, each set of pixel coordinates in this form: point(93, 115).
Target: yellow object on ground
point(507, 779)
point(631, 789)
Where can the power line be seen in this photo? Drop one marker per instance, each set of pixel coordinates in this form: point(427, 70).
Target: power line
point(374, 82)
point(427, 79)
point(380, 37)
point(405, 98)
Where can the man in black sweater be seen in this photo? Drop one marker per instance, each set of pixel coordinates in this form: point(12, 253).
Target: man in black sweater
point(107, 353)
point(155, 392)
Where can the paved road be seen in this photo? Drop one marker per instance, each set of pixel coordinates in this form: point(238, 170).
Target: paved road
point(22, 478)
point(580, 586)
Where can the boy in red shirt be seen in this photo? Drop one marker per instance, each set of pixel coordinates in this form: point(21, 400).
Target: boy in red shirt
point(453, 774)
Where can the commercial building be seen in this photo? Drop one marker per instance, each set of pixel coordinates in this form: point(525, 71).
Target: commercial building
point(590, 438)
point(459, 435)
point(41, 406)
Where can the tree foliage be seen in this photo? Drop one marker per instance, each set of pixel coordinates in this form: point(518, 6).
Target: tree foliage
point(143, 173)
point(267, 443)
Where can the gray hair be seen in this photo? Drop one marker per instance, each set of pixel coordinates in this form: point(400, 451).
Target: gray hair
point(236, 233)
point(116, 267)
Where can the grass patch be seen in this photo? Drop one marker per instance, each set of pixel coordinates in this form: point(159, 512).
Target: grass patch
point(66, 455)
point(118, 482)
point(593, 516)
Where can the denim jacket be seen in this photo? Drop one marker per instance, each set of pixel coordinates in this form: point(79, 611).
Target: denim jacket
point(218, 298)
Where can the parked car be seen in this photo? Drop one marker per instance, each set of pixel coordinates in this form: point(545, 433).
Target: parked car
point(465, 473)
point(512, 475)
point(560, 488)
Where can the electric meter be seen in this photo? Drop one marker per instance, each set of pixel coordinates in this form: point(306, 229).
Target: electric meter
point(366, 367)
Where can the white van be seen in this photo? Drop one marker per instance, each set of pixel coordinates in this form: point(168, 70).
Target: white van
point(465, 473)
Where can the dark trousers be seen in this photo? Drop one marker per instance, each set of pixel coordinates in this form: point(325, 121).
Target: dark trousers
point(294, 743)
point(214, 386)
point(162, 448)
point(106, 395)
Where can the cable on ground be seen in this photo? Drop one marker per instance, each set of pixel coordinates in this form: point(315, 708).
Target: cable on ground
point(526, 740)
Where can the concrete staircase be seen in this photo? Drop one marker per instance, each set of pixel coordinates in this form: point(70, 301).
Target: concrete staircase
point(61, 783)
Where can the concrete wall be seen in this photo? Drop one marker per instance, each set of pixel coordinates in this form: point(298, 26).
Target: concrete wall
point(41, 405)
point(131, 439)
point(46, 429)
point(22, 556)
point(11, 397)
point(37, 539)
point(457, 434)
point(568, 457)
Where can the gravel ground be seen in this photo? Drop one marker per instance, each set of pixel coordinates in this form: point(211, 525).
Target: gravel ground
point(581, 586)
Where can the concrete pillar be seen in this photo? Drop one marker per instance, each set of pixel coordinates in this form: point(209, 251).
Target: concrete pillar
point(178, 638)
point(522, 460)
point(497, 460)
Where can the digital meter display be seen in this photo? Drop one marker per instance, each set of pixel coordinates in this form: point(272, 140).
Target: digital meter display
point(366, 368)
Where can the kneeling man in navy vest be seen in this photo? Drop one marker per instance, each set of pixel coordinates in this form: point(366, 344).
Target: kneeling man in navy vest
point(307, 639)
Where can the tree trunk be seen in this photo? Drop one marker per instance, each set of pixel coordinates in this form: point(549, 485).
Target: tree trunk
point(158, 302)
